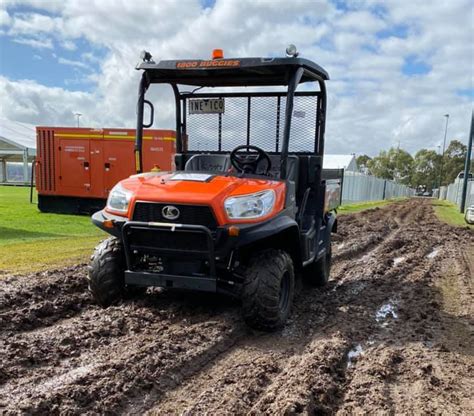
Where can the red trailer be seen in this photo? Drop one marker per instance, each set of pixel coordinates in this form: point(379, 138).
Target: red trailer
point(77, 167)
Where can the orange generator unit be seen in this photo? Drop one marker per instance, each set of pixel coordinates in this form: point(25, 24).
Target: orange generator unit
point(76, 168)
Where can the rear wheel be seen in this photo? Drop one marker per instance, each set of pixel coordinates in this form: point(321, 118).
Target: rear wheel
point(106, 272)
point(317, 273)
point(268, 290)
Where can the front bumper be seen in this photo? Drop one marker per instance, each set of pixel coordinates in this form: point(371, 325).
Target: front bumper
point(200, 259)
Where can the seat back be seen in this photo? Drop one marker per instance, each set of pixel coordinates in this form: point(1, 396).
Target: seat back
point(291, 167)
point(208, 163)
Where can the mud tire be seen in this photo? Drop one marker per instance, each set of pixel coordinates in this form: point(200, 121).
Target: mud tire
point(268, 290)
point(317, 273)
point(106, 272)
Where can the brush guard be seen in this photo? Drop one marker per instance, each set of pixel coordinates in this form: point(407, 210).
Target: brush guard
point(169, 241)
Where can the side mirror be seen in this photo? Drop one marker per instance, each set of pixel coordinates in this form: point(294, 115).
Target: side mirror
point(152, 114)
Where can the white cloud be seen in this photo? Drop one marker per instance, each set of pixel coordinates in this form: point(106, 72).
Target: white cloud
point(70, 62)
point(68, 45)
point(36, 43)
point(5, 19)
point(372, 104)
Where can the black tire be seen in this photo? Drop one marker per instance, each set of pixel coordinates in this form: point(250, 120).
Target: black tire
point(106, 272)
point(318, 272)
point(268, 290)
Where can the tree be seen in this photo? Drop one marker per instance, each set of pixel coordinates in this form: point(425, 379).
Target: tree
point(453, 161)
point(426, 166)
point(396, 164)
point(362, 162)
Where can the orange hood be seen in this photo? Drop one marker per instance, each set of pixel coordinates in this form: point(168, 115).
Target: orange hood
point(204, 189)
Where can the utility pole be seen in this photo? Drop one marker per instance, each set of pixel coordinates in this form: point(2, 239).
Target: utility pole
point(77, 116)
point(467, 165)
point(444, 148)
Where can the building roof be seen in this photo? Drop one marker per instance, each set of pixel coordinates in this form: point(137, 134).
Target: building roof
point(346, 162)
point(15, 138)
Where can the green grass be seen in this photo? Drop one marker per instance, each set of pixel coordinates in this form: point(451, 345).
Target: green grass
point(32, 241)
point(448, 212)
point(362, 206)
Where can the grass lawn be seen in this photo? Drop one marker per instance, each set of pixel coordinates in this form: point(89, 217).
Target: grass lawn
point(32, 241)
point(362, 206)
point(449, 212)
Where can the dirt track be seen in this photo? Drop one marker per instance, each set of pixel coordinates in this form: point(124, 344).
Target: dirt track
point(393, 332)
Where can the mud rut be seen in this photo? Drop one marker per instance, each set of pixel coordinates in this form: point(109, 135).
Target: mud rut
point(392, 331)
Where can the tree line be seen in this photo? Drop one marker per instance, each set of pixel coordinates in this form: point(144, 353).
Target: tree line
point(427, 169)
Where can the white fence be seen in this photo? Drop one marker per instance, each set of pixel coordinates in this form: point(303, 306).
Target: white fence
point(453, 193)
point(358, 187)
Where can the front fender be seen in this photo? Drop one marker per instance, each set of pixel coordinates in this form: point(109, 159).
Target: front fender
point(267, 229)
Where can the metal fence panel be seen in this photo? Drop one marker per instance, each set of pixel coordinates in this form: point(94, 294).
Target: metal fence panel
point(453, 193)
point(358, 187)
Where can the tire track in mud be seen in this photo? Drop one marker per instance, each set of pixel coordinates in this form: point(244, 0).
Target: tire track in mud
point(329, 363)
point(174, 353)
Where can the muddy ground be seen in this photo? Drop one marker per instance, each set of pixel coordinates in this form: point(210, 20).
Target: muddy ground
point(392, 332)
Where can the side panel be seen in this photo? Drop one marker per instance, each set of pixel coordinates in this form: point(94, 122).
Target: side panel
point(87, 163)
point(159, 149)
point(74, 166)
point(118, 162)
point(45, 161)
point(96, 169)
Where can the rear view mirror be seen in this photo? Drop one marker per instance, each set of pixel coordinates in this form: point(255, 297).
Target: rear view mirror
point(152, 114)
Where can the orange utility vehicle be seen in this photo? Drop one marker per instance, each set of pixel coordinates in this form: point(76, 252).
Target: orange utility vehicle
point(248, 208)
point(77, 167)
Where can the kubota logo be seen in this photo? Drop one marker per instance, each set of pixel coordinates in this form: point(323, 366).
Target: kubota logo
point(170, 212)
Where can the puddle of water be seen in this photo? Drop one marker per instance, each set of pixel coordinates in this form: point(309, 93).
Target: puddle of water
point(65, 378)
point(398, 260)
point(365, 258)
point(384, 311)
point(433, 254)
point(354, 353)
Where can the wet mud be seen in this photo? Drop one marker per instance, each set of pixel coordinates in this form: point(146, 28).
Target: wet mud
point(391, 332)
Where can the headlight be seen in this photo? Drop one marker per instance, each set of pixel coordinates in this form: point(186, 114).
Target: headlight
point(250, 206)
point(119, 199)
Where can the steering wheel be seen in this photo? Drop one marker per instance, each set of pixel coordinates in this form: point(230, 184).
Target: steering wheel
point(245, 160)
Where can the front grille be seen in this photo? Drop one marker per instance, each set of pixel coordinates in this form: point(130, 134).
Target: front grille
point(189, 214)
point(165, 240)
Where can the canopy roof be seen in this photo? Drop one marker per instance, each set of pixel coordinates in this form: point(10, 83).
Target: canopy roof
point(346, 162)
point(16, 138)
point(232, 72)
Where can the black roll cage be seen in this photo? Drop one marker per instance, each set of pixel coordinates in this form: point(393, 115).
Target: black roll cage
point(294, 78)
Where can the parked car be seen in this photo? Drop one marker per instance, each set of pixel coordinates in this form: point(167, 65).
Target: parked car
point(469, 214)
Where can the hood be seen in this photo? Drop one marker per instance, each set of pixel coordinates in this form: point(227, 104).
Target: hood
point(197, 189)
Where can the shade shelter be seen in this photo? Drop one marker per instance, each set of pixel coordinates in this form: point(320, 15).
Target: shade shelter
point(17, 145)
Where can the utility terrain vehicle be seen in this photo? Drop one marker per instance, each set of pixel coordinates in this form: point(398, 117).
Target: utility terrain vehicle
point(247, 207)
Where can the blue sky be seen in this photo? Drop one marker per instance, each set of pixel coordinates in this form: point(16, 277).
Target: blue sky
point(396, 66)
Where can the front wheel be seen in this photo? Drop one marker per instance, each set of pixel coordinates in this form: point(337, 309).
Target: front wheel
point(268, 290)
point(106, 272)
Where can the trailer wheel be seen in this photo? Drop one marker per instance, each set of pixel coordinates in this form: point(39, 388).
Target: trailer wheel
point(317, 273)
point(268, 290)
point(106, 272)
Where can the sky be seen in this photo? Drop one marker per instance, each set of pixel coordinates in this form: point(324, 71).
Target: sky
point(396, 66)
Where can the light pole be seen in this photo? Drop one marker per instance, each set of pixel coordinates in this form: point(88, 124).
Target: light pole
point(78, 115)
point(467, 165)
point(444, 149)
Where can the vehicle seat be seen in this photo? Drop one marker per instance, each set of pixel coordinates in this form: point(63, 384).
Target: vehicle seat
point(291, 167)
point(208, 163)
